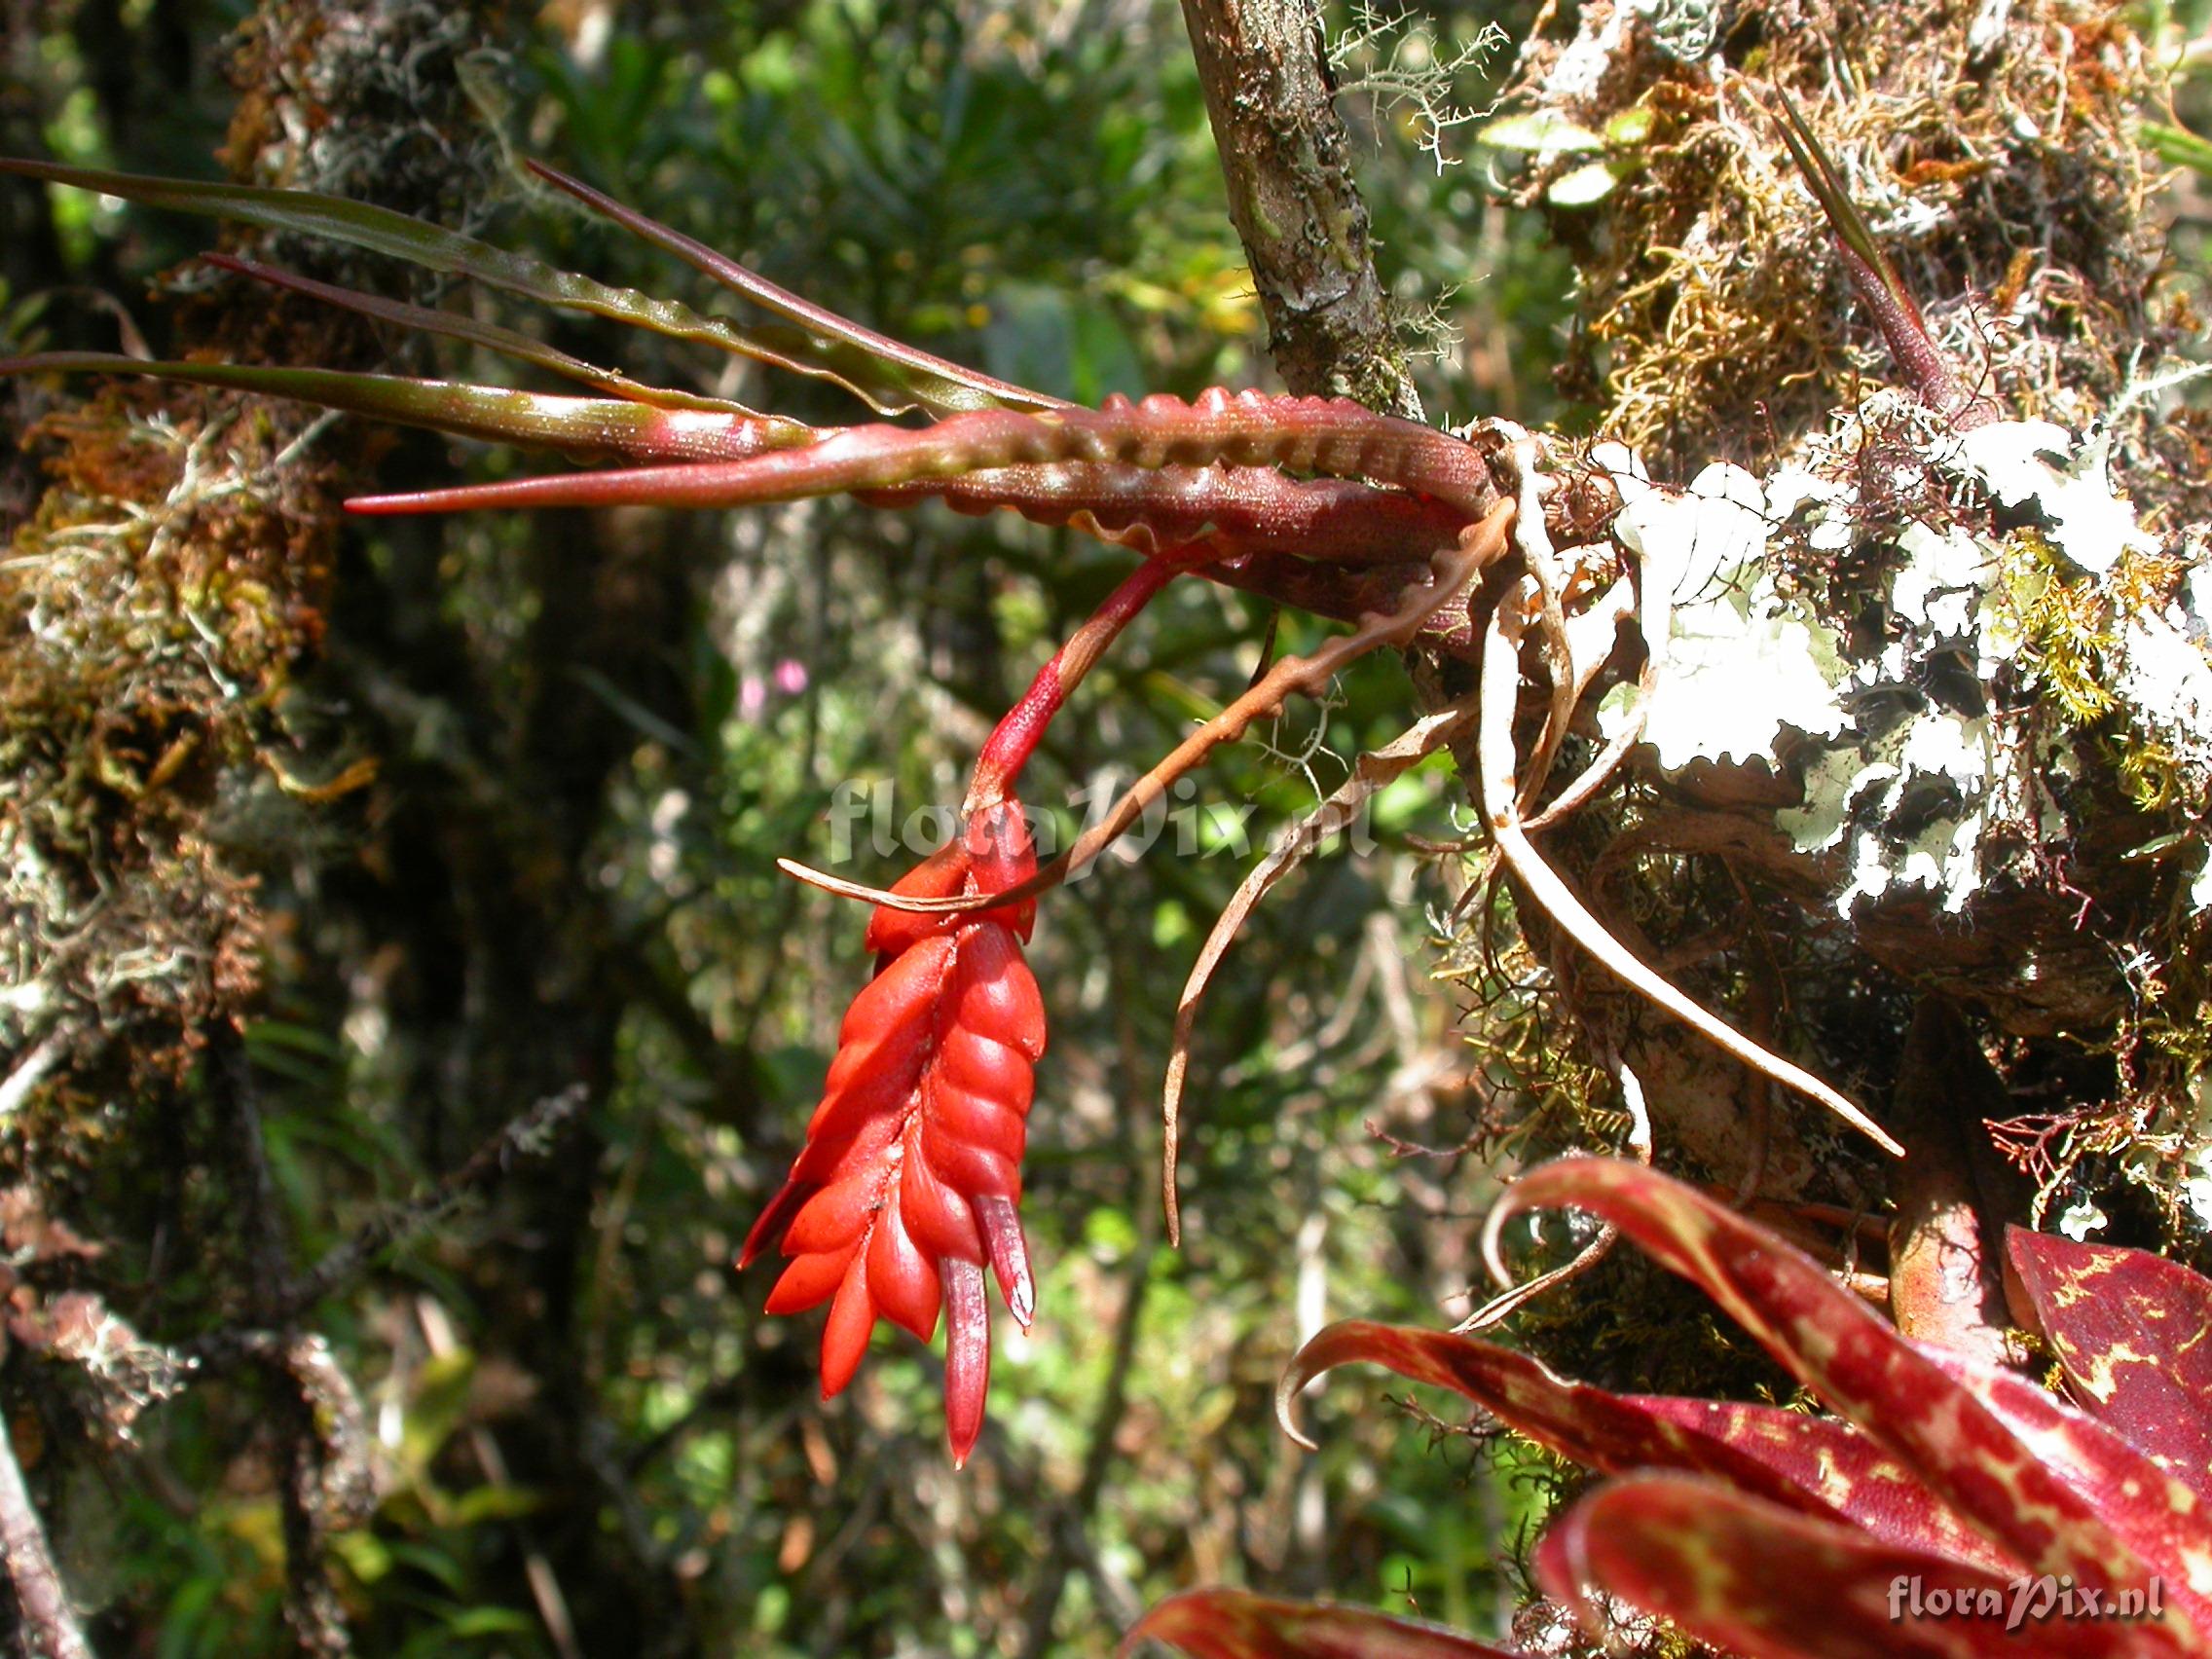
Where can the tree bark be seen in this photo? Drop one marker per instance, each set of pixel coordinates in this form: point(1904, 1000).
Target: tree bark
point(1286, 158)
point(48, 1627)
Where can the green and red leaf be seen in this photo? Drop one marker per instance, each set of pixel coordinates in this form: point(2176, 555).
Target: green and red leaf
point(1966, 1452)
point(2133, 1332)
point(1231, 1624)
point(1818, 1465)
point(890, 379)
point(595, 427)
point(2156, 1513)
point(1755, 1579)
point(887, 374)
point(490, 335)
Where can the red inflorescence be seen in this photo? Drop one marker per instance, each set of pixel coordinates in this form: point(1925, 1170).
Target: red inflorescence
point(908, 1186)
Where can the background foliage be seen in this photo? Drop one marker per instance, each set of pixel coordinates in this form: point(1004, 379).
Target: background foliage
point(404, 1019)
point(491, 821)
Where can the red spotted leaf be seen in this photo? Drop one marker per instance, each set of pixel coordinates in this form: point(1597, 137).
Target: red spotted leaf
point(1769, 1583)
point(2158, 1515)
point(1231, 1624)
point(1819, 1465)
point(2135, 1333)
point(1967, 1453)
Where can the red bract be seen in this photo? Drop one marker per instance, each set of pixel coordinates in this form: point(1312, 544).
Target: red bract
point(1787, 1535)
point(907, 1187)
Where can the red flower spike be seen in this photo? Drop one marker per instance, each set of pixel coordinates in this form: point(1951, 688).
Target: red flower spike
point(906, 1187)
point(906, 1190)
point(967, 1356)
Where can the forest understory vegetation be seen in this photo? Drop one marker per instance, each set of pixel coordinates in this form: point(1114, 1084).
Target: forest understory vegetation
point(424, 933)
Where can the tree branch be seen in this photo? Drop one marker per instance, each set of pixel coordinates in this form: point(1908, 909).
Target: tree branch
point(1286, 158)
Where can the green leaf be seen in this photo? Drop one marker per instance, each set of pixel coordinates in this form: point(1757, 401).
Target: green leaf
point(592, 426)
point(1585, 186)
point(2178, 147)
point(1542, 133)
point(496, 1504)
point(889, 377)
point(1629, 128)
point(1828, 190)
point(493, 337)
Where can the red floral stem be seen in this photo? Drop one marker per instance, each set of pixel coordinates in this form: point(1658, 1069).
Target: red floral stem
point(1018, 735)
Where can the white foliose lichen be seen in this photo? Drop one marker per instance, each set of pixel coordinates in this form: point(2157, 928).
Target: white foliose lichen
point(1909, 764)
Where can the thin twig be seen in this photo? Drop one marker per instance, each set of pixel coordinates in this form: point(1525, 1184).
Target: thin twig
point(311, 1608)
point(533, 1134)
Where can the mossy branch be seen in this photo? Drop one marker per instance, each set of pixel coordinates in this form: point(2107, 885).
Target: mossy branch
point(1286, 158)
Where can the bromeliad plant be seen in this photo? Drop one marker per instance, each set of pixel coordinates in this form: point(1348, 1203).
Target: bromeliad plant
point(1948, 1507)
point(906, 1192)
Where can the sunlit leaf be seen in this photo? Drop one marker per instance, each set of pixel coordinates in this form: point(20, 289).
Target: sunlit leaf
point(2135, 1333)
point(883, 371)
point(2154, 1513)
point(2179, 147)
point(1326, 435)
point(1817, 1464)
point(1585, 186)
point(584, 426)
point(1229, 1624)
point(491, 336)
point(1762, 1581)
point(1542, 131)
point(433, 247)
point(1853, 1360)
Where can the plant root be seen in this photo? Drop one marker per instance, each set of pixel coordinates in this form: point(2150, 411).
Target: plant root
point(1496, 765)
